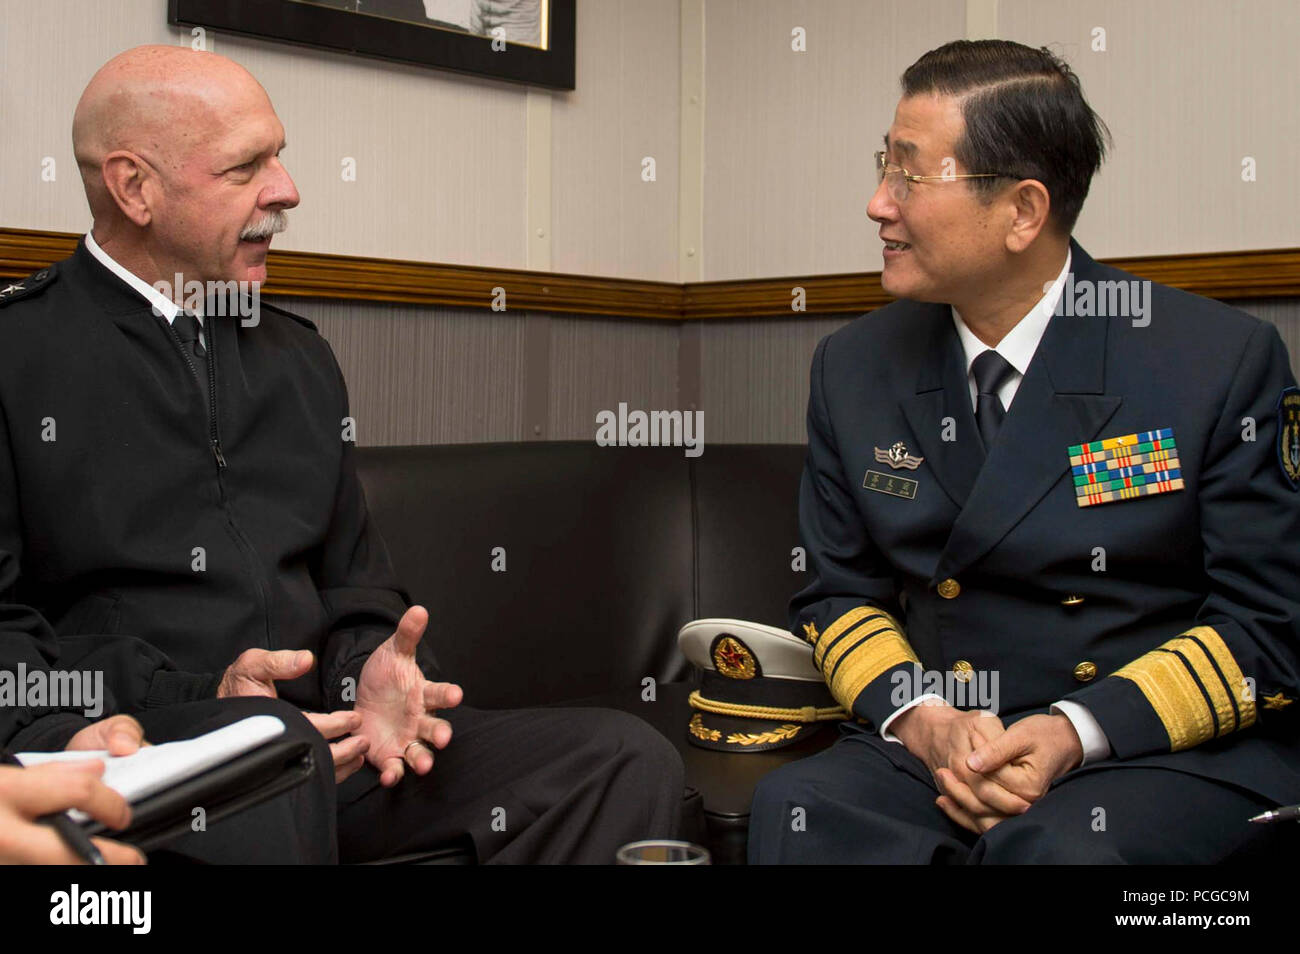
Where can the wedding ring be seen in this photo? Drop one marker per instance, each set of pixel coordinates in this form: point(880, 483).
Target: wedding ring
point(411, 743)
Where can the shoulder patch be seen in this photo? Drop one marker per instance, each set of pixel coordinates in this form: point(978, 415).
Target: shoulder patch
point(12, 290)
point(288, 314)
point(1288, 435)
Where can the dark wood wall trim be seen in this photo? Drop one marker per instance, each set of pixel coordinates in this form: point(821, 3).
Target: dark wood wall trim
point(1272, 273)
point(822, 294)
point(353, 278)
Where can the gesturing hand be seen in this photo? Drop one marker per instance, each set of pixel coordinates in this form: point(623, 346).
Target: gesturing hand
point(396, 704)
point(350, 753)
point(256, 672)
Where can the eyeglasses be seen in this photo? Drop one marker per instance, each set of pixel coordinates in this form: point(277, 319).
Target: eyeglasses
point(899, 178)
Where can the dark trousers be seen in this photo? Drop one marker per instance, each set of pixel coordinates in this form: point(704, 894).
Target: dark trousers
point(550, 786)
point(523, 786)
point(297, 826)
point(868, 801)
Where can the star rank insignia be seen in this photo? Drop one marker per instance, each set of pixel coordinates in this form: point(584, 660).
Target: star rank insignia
point(1277, 701)
point(17, 291)
point(810, 632)
point(897, 456)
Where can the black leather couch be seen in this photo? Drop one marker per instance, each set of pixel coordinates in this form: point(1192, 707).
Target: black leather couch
point(608, 552)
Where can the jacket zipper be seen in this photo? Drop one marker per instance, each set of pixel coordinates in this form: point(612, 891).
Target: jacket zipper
point(214, 438)
point(214, 441)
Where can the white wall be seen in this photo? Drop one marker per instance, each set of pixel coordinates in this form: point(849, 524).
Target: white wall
point(443, 160)
point(789, 137)
point(1188, 88)
point(469, 171)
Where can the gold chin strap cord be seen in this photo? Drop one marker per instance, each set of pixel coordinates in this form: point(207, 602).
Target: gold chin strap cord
point(804, 714)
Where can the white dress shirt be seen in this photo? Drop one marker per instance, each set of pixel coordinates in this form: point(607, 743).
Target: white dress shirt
point(162, 305)
point(1018, 347)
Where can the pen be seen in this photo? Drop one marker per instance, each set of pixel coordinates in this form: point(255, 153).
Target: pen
point(72, 834)
point(1288, 813)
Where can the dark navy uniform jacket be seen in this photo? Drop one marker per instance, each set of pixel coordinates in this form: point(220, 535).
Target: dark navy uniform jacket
point(114, 470)
point(1191, 628)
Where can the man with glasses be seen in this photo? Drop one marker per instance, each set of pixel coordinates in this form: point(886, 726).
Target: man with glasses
point(1050, 512)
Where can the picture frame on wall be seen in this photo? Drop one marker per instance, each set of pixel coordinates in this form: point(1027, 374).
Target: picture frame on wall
point(521, 41)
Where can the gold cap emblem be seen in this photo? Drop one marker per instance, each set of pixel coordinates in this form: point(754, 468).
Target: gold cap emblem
point(733, 659)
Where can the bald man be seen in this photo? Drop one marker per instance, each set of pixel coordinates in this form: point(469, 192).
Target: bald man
point(178, 504)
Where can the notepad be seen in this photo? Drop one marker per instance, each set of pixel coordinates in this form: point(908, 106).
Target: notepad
point(156, 768)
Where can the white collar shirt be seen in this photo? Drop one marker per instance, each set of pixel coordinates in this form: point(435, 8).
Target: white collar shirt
point(1019, 344)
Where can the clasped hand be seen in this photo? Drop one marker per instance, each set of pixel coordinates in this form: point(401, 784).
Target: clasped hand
point(395, 704)
point(985, 771)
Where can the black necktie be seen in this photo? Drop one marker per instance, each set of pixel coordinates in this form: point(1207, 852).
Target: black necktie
point(187, 329)
point(991, 371)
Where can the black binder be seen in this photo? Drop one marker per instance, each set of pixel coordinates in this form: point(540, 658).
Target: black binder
point(261, 773)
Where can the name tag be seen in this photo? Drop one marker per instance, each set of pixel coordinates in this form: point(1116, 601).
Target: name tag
point(896, 486)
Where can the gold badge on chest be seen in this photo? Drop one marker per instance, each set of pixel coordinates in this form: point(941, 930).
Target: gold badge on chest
point(898, 457)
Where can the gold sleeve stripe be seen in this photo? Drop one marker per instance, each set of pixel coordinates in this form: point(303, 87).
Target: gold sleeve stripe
point(1198, 659)
point(1191, 683)
point(1234, 681)
point(850, 641)
point(1216, 724)
point(1174, 694)
point(848, 621)
point(868, 662)
point(843, 625)
point(857, 648)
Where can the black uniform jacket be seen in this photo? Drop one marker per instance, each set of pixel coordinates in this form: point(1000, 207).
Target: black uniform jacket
point(145, 537)
point(1172, 617)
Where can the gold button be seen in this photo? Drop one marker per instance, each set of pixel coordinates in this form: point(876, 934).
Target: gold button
point(1074, 599)
point(1085, 671)
point(963, 670)
point(949, 588)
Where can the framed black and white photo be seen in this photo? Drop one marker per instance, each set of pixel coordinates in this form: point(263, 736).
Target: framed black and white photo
point(524, 41)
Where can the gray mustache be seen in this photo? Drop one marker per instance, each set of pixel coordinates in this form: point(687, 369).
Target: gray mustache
point(273, 223)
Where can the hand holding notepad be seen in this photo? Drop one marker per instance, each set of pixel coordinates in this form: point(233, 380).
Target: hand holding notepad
point(156, 768)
